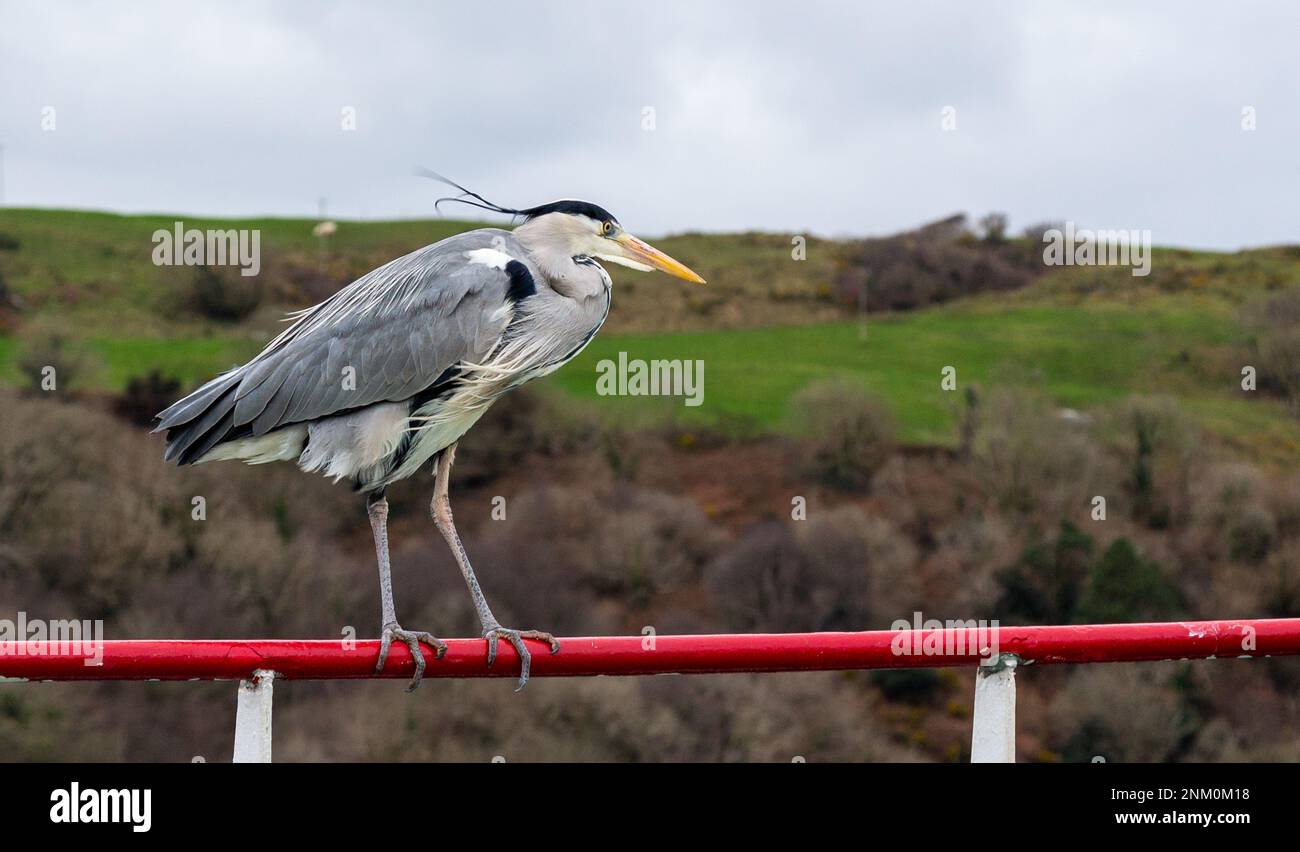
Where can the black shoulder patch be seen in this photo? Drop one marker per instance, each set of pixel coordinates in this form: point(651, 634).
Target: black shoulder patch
point(521, 281)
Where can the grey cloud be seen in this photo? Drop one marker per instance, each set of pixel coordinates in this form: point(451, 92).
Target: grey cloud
point(821, 117)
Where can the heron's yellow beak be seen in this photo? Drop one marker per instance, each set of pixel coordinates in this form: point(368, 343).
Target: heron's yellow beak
point(649, 257)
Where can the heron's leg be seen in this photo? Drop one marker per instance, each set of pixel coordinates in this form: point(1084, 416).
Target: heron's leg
point(492, 629)
point(377, 508)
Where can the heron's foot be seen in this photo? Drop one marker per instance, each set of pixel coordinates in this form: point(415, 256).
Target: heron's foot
point(412, 638)
point(516, 638)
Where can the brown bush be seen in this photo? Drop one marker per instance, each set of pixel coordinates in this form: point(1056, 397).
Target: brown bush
point(1032, 461)
point(1123, 712)
point(584, 545)
point(1231, 514)
point(223, 294)
point(92, 522)
point(838, 571)
point(962, 568)
point(9, 306)
point(47, 344)
point(848, 433)
point(649, 544)
point(935, 263)
point(1159, 446)
point(993, 228)
point(1275, 323)
point(145, 396)
point(301, 284)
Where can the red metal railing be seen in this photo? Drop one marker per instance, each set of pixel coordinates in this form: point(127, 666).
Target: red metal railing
point(640, 655)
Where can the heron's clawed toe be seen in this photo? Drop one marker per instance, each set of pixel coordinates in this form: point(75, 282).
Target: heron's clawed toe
point(516, 638)
point(412, 638)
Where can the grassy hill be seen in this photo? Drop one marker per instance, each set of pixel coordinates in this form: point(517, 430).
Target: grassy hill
point(96, 269)
point(765, 326)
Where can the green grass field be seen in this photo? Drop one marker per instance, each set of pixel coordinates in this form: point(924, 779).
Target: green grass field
point(1080, 357)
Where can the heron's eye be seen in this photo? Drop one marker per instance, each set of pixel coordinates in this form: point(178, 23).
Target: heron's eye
point(607, 228)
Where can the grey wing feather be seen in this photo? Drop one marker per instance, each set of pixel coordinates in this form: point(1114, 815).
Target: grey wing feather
point(399, 328)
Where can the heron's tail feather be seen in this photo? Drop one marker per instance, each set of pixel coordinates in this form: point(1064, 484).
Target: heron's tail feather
point(186, 409)
point(201, 420)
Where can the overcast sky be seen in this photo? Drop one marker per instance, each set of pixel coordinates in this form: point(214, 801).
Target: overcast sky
point(811, 117)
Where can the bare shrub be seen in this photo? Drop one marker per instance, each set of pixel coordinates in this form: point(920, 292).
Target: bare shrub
point(1036, 233)
point(1269, 589)
point(1217, 741)
point(817, 716)
point(10, 305)
point(1231, 514)
point(1286, 505)
point(963, 565)
point(50, 343)
point(98, 542)
point(1280, 583)
point(993, 227)
point(1032, 460)
point(1159, 445)
point(564, 424)
point(821, 577)
point(835, 549)
point(1279, 355)
point(849, 432)
point(499, 440)
point(649, 543)
point(896, 588)
point(543, 542)
point(1275, 323)
point(301, 284)
point(1124, 712)
point(145, 396)
point(764, 583)
point(779, 717)
point(92, 523)
point(49, 724)
point(223, 294)
point(527, 420)
point(77, 495)
point(946, 230)
point(935, 263)
point(584, 544)
point(99, 522)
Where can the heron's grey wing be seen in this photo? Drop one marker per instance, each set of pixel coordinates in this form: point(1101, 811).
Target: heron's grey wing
point(387, 340)
point(386, 337)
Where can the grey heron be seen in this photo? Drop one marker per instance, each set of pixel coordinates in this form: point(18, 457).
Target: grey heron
point(392, 370)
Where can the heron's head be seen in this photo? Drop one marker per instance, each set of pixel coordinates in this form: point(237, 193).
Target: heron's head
point(576, 229)
point(581, 228)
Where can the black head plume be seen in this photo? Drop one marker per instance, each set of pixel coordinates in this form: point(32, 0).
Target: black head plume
point(473, 199)
point(466, 196)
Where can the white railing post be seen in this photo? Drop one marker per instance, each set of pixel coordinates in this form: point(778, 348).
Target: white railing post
point(253, 718)
point(993, 738)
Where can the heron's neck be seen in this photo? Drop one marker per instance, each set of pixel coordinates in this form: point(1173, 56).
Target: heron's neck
point(578, 279)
